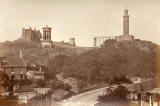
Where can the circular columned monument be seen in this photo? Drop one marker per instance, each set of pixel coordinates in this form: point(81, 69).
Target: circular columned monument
point(46, 38)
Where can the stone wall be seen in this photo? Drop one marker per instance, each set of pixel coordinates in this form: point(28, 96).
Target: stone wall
point(145, 85)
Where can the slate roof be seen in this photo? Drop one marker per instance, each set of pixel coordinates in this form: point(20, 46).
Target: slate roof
point(25, 89)
point(14, 62)
point(39, 73)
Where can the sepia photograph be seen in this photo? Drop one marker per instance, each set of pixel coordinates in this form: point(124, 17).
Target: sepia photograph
point(79, 53)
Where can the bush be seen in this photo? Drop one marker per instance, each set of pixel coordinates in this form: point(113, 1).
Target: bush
point(121, 80)
point(60, 85)
point(41, 83)
point(23, 82)
point(118, 94)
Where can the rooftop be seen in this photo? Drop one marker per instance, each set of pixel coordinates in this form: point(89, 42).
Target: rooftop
point(155, 91)
point(14, 62)
point(46, 27)
point(24, 90)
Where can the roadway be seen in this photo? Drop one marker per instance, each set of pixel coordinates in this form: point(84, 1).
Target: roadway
point(83, 99)
point(89, 98)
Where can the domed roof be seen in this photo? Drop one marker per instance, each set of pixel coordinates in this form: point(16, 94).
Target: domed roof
point(46, 27)
point(125, 12)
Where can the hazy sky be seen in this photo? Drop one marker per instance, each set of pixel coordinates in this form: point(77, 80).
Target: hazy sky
point(82, 19)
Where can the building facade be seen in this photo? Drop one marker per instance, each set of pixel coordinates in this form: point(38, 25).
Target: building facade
point(35, 75)
point(31, 35)
point(126, 36)
point(15, 67)
point(46, 41)
point(101, 39)
point(72, 41)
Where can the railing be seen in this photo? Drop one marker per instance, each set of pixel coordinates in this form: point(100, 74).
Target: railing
point(92, 88)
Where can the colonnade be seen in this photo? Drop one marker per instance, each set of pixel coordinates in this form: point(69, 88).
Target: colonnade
point(97, 41)
point(47, 34)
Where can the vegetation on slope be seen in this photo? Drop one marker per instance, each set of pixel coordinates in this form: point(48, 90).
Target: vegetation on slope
point(93, 66)
point(101, 65)
point(33, 53)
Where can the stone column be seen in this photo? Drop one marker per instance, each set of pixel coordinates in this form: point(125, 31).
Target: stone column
point(104, 39)
point(94, 42)
point(44, 35)
point(49, 35)
point(99, 41)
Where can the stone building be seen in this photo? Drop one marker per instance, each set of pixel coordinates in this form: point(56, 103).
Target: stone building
point(31, 35)
point(126, 36)
point(101, 39)
point(15, 68)
point(46, 41)
point(2, 62)
point(98, 41)
point(72, 41)
point(35, 75)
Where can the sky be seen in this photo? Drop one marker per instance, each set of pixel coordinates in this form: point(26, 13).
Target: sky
point(82, 19)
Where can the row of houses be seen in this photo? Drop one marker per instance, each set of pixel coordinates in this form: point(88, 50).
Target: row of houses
point(16, 68)
point(26, 95)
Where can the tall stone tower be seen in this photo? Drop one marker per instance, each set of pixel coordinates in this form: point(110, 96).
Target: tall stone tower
point(46, 41)
point(126, 36)
point(125, 23)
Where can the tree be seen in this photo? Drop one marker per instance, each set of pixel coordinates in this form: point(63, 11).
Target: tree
point(41, 83)
point(57, 85)
point(81, 84)
point(7, 83)
point(96, 73)
point(122, 79)
point(118, 94)
point(60, 85)
point(67, 87)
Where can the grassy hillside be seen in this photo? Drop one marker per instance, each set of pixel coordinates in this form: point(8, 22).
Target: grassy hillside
point(33, 53)
point(134, 59)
